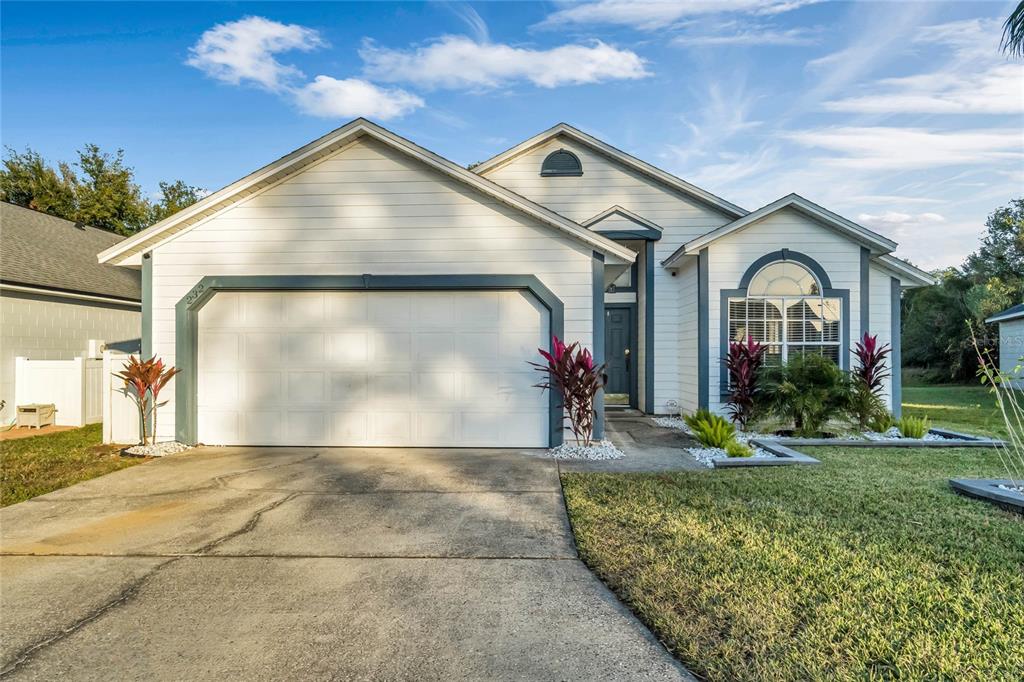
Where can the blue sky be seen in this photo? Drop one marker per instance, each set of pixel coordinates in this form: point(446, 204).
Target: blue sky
point(902, 116)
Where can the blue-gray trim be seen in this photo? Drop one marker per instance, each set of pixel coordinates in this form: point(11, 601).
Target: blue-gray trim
point(741, 292)
point(865, 289)
point(147, 305)
point(896, 331)
point(644, 233)
point(786, 254)
point(187, 321)
point(597, 293)
point(649, 328)
point(634, 388)
point(703, 331)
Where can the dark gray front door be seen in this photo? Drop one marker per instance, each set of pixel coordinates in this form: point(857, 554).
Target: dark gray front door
point(618, 326)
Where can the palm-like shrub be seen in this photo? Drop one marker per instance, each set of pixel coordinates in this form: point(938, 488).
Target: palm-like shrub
point(807, 392)
point(572, 374)
point(143, 381)
point(913, 427)
point(711, 430)
point(743, 363)
point(868, 379)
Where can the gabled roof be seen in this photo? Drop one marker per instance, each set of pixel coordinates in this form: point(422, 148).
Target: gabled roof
point(617, 211)
point(41, 251)
point(876, 242)
point(328, 144)
point(1014, 313)
point(605, 149)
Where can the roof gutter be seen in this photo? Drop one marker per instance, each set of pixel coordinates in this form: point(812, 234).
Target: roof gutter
point(70, 294)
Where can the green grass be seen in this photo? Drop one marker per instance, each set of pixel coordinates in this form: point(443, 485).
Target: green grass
point(961, 407)
point(35, 466)
point(865, 568)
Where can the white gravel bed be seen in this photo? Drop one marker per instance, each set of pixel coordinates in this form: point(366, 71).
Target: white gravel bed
point(600, 450)
point(157, 450)
point(1010, 489)
point(894, 434)
point(707, 456)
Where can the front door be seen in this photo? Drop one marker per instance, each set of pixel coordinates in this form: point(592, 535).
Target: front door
point(618, 328)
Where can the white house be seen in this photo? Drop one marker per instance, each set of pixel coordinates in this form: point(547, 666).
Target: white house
point(54, 297)
point(1011, 341)
point(363, 290)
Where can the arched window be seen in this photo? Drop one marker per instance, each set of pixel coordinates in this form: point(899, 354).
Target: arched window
point(562, 162)
point(784, 307)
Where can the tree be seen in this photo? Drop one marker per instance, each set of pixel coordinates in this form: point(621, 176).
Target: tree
point(174, 196)
point(104, 194)
point(109, 198)
point(1013, 33)
point(27, 180)
point(1002, 250)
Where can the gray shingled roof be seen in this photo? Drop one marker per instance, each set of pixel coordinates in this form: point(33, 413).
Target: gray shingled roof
point(42, 250)
point(1011, 313)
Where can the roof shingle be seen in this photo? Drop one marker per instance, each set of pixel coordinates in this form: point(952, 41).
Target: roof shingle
point(41, 250)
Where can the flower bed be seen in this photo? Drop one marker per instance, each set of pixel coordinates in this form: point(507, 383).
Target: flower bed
point(599, 450)
point(156, 449)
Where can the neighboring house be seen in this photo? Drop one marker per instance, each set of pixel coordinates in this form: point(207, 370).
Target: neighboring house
point(1011, 342)
point(54, 296)
point(365, 291)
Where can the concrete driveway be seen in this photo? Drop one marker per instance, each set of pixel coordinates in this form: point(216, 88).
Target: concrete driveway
point(271, 563)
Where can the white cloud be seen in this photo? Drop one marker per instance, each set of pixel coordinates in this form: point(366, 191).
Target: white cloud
point(896, 224)
point(351, 97)
point(648, 15)
point(975, 79)
point(460, 62)
point(243, 50)
point(753, 36)
point(892, 148)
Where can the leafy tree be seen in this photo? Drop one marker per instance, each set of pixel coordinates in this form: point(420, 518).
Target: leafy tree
point(108, 197)
point(1002, 250)
point(103, 193)
point(27, 180)
point(174, 196)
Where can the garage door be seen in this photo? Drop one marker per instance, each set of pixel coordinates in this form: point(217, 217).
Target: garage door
point(393, 368)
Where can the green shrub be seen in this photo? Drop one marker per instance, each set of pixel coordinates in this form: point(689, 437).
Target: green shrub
point(881, 422)
point(913, 427)
point(709, 429)
point(738, 449)
point(807, 392)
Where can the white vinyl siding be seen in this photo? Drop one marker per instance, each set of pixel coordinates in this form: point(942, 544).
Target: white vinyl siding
point(605, 183)
point(367, 209)
point(1011, 349)
point(880, 319)
point(688, 334)
point(730, 257)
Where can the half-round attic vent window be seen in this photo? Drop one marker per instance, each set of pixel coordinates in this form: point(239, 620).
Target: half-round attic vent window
point(562, 162)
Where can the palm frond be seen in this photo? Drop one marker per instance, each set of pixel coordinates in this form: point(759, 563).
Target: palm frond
point(1013, 33)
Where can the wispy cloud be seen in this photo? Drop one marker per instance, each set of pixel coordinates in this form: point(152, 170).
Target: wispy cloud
point(894, 148)
point(458, 62)
point(900, 225)
point(472, 19)
point(975, 79)
point(749, 36)
point(245, 52)
point(647, 15)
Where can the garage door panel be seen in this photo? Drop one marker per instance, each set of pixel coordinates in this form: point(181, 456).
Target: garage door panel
point(372, 369)
point(304, 347)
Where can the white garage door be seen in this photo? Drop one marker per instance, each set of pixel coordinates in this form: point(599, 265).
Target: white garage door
point(372, 369)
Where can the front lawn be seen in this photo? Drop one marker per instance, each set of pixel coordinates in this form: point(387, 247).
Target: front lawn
point(962, 407)
point(38, 465)
point(867, 567)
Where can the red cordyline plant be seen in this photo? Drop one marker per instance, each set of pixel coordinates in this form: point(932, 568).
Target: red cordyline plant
point(869, 375)
point(571, 373)
point(143, 381)
point(743, 363)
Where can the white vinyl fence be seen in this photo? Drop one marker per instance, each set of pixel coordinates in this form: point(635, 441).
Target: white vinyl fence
point(120, 413)
point(74, 386)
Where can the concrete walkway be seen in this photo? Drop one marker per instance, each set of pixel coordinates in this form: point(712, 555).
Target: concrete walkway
point(647, 446)
point(271, 563)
